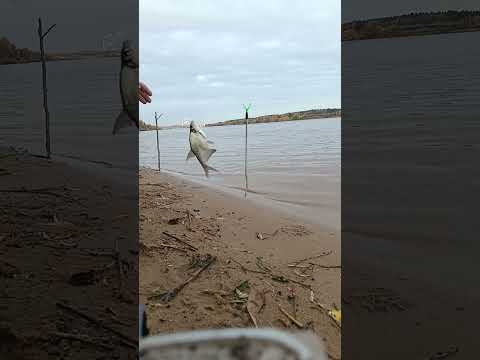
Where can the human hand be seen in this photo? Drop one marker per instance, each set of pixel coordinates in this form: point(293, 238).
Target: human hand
point(144, 93)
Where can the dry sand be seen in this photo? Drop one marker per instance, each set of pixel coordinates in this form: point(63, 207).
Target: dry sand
point(57, 221)
point(249, 243)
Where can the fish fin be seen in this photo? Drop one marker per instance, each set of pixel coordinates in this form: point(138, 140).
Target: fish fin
point(189, 155)
point(206, 168)
point(123, 120)
point(210, 152)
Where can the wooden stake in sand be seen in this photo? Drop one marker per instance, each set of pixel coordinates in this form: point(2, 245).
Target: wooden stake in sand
point(158, 146)
point(246, 146)
point(41, 36)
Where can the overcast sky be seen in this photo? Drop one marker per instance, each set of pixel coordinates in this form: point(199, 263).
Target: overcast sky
point(80, 24)
point(204, 58)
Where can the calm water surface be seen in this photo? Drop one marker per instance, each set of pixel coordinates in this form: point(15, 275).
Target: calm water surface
point(294, 165)
point(84, 100)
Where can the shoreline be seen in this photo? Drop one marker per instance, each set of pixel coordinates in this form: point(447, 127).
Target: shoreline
point(285, 208)
point(251, 243)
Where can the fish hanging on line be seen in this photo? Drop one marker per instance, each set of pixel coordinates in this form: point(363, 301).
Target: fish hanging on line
point(128, 88)
point(200, 147)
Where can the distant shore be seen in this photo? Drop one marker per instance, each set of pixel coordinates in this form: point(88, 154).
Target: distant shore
point(60, 57)
point(10, 54)
point(291, 116)
point(414, 24)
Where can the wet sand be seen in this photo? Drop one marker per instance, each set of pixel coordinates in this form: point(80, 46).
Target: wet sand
point(185, 226)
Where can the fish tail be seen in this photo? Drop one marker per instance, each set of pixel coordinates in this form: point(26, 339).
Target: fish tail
point(123, 120)
point(206, 168)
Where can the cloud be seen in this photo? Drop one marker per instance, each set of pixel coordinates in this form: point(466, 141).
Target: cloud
point(269, 44)
point(216, 84)
point(278, 54)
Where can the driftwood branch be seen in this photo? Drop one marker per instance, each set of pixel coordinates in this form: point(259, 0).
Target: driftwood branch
point(170, 295)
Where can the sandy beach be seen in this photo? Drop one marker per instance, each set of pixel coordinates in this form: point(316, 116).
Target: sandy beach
point(58, 233)
point(209, 259)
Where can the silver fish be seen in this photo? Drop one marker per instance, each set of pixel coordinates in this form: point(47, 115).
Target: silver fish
point(200, 147)
point(128, 89)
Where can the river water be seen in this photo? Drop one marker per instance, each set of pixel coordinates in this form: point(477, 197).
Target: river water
point(293, 165)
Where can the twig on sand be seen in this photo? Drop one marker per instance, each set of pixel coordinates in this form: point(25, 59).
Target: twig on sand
point(323, 309)
point(179, 240)
point(327, 266)
point(261, 265)
point(286, 279)
point(255, 303)
point(172, 247)
point(275, 277)
point(306, 286)
point(253, 318)
point(292, 319)
point(82, 338)
point(127, 340)
point(189, 219)
point(296, 272)
point(297, 262)
point(265, 236)
point(44, 191)
point(440, 355)
point(162, 246)
point(245, 269)
point(119, 265)
point(170, 295)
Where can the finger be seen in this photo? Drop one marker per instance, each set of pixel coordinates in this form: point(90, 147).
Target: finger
point(145, 96)
point(142, 99)
point(145, 88)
